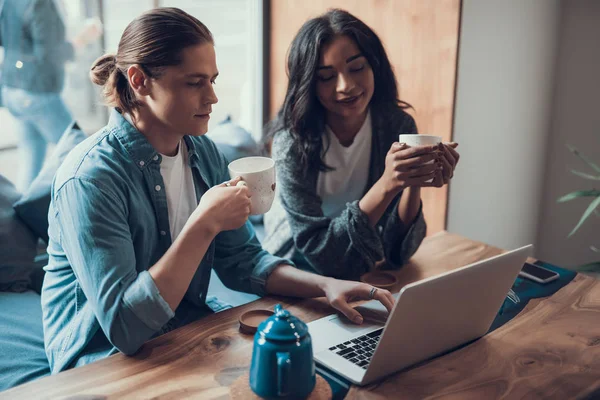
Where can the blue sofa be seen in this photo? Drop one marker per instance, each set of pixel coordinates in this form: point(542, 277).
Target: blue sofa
point(22, 356)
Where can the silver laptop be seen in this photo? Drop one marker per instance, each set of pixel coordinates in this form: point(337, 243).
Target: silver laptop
point(429, 317)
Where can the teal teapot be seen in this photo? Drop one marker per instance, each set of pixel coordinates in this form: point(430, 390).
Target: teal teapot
point(282, 359)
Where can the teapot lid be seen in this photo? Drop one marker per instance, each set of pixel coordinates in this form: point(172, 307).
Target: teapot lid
point(282, 326)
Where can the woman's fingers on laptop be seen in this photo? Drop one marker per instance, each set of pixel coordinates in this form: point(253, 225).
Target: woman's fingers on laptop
point(357, 291)
point(342, 305)
point(340, 292)
point(385, 297)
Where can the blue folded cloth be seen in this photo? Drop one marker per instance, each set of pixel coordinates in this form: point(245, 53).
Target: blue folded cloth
point(527, 290)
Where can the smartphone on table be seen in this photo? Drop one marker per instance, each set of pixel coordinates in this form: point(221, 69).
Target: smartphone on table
point(537, 273)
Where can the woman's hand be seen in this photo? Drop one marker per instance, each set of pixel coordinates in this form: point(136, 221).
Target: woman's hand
point(224, 207)
point(449, 160)
point(340, 292)
point(411, 166)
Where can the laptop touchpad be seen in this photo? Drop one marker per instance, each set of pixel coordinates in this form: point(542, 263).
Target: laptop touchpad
point(324, 334)
point(373, 312)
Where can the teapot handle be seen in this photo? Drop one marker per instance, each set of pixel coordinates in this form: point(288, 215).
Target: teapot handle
point(284, 365)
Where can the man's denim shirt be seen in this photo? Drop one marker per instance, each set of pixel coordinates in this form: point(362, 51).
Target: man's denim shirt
point(108, 225)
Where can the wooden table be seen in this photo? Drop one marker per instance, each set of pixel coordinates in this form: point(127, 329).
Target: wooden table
point(550, 350)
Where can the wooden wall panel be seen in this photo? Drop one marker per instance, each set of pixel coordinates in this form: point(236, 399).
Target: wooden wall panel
point(421, 40)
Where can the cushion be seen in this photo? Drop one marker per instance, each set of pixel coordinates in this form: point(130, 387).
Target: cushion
point(22, 355)
point(233, 140)
point(17, 243)
point(32, 208)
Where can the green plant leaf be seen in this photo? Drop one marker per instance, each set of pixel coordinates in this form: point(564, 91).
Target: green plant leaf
point(586, 214)
point(579, 193)
point(584, 158)
point(586, 176)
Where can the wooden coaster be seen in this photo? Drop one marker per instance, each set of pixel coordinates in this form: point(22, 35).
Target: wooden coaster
point(240, 389)
point(380, 279)
point(250, 320)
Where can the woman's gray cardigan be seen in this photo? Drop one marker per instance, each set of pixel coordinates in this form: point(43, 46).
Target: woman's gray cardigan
point(346, 246)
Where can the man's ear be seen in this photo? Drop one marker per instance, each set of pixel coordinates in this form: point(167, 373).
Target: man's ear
point(138, 80)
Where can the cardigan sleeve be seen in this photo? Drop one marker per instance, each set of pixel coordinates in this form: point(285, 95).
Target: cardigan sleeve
point(401, 240)
point(343, 247)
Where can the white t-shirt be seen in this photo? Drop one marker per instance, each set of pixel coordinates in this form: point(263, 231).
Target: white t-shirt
point(348, 181)
point(179, 188)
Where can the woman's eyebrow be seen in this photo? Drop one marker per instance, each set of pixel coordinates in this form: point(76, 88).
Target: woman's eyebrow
point(348, 60)
point(354, 57)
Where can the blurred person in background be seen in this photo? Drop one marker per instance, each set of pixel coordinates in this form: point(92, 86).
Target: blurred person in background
point(33, 35)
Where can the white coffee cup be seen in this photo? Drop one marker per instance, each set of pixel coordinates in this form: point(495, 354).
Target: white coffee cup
point(259, 175)
point(414, 140)
point(419, 140)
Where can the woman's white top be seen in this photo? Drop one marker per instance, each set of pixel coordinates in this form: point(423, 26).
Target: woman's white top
point(348, 181)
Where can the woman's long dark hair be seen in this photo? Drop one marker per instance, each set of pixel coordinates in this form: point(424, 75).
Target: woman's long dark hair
point(302, 115)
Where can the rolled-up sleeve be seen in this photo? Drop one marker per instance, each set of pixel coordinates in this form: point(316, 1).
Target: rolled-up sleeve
point(241, 263)
point(96, 238)
point(144, 299)
point(401, 240)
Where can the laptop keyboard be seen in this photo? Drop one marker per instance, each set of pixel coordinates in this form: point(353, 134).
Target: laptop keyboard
point(359, 350)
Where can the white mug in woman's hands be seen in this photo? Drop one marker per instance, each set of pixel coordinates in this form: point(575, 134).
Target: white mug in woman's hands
point(449, 157)
point(258, 173)
point(415, 140)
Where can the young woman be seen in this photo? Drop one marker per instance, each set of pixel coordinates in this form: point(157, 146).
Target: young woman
point(349, 194)
point(142, 210)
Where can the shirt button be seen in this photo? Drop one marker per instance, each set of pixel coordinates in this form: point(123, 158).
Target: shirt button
point(142, 163)
point(157, 188)
point(163, 233)
point(155, 158)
